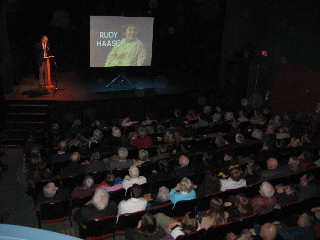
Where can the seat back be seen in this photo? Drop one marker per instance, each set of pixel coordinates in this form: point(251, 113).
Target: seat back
point(80, 202)
point(165, 209)
point(100, 228)
point(72, 181)
point(192, 236)
point(182, 207)
point(56, 211)
point(128, 220)
point(98, 176)
point(118, 195)
point(120, 172)
point(245, 222)
point(219, 231)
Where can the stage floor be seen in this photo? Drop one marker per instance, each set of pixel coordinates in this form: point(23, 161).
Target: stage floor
point(80, 86)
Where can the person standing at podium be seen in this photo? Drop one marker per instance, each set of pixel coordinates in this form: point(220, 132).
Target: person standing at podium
point(42, 50)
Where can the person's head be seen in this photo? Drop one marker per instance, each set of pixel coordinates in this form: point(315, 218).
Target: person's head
point(163, 194)
point(148, 224)
point(216, 207)
point(270, 129)
point(294, 142)
point(216, 116)
point(228, 116)
point(256, 133)
point(44, 39)
point(266, 189)
point(306, 220)
point(116, 132)
point(211, 183)
point(136, 191)
point(220, 141)
point(97, 135)
point(142, 132)
point(189, 223)
point(236, 174)
point(239, 138)
point(134, 172)
point(62, 146)
point(243, 204)
point(186, 185)
point(100, 198)
point(76, 123)
point(168, 137)
point(294, 164)
point(228, 155)
point(50, 189)
point(162, 166)
point(75, 157)
point(272, 163)
point(83, 144)
point(177, 112)
point(88, 182)
point(96, 156)
point(291, 189)
point(110, 178)
point(307, 179)
point(183, 161)
point(207, 109)
point(268, 231)
point(130, 32)
point(161, 148)
point(306, 156)
point(143, 155)
point(123, 153)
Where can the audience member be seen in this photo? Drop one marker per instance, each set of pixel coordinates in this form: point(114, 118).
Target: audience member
point(120, 161)
point(86, 189)
point(265, 201)
point(182, 191)
point(136, 203)
point(215, 215)
point(133, 178)
point(183, 170)
point(235, 180)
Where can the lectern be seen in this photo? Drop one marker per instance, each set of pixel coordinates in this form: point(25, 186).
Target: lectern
point(49, 84)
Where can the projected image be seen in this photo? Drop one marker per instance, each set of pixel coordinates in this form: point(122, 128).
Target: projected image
point(120, 41)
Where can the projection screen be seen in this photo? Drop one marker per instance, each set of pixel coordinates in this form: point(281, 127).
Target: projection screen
point(117, 41)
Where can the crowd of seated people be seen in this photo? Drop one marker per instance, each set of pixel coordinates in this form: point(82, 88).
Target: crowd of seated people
point(240, 151)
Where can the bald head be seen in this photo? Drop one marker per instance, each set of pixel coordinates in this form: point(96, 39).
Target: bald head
point(183, 161)
point(272, 163)
point(268, 231)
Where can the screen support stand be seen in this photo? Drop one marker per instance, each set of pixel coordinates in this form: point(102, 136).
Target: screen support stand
point(56, 80)
point(123, 80)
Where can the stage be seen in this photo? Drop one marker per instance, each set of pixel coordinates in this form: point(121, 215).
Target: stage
point(88, 86)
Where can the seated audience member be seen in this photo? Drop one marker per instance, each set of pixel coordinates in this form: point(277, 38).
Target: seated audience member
point(228, 117)
point(242, 116)
point(220, 141)
point(306, 160)
point(182, 191)
point(136, 203)
point(206, 113)
point(162, 153)
point(95, 140)
point(294, 164)
point(252, 173)
point(147, 229)
point(162, 198)
point(235, 181)
point(99, 207)
point(143, 158)
point(256, 134)
point(307, 187)
point(86, 189)
point(239, 138)
point(161, 171)
point(200, 123)
point(183, 170)
point(268, 231)
point(215, 215)
point(264, 202)
point(142, 140)
point(84, 149)
point(216, 119)
point(210, 184)
point(304, 230)
point(268, 151)
point(133, 178)
point(61, 155)
point(286, 194)
point(52, 193)
point(274, 170)
point(94, 164)
point(120, 161)
point(187, 225)
point(109, 183)
point(238, 207)
point(74, 168)
point(229, 162)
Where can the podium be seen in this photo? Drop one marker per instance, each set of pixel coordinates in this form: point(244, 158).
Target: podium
point(49, 84)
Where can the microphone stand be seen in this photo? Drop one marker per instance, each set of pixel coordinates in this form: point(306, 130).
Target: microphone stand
point(56, 80)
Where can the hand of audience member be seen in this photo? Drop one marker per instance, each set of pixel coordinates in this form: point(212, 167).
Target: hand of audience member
point(227, 204)
point(139, 224)
point(195, 186)
point(87, 203)
point(177, 187)
point(315, 209)
point(173, 224)
point(154, 171)
point(231, 236)
point(148, 197)
point(280, 188)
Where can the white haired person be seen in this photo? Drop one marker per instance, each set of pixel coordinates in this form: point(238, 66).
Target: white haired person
point(265, 201)
point(100, 206)
point(133, 178)
point(51, 193)
point(162, 198)
point(84, 190)
point(120, 160)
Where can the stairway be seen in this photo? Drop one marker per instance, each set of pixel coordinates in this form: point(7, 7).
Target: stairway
point(21, 118)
